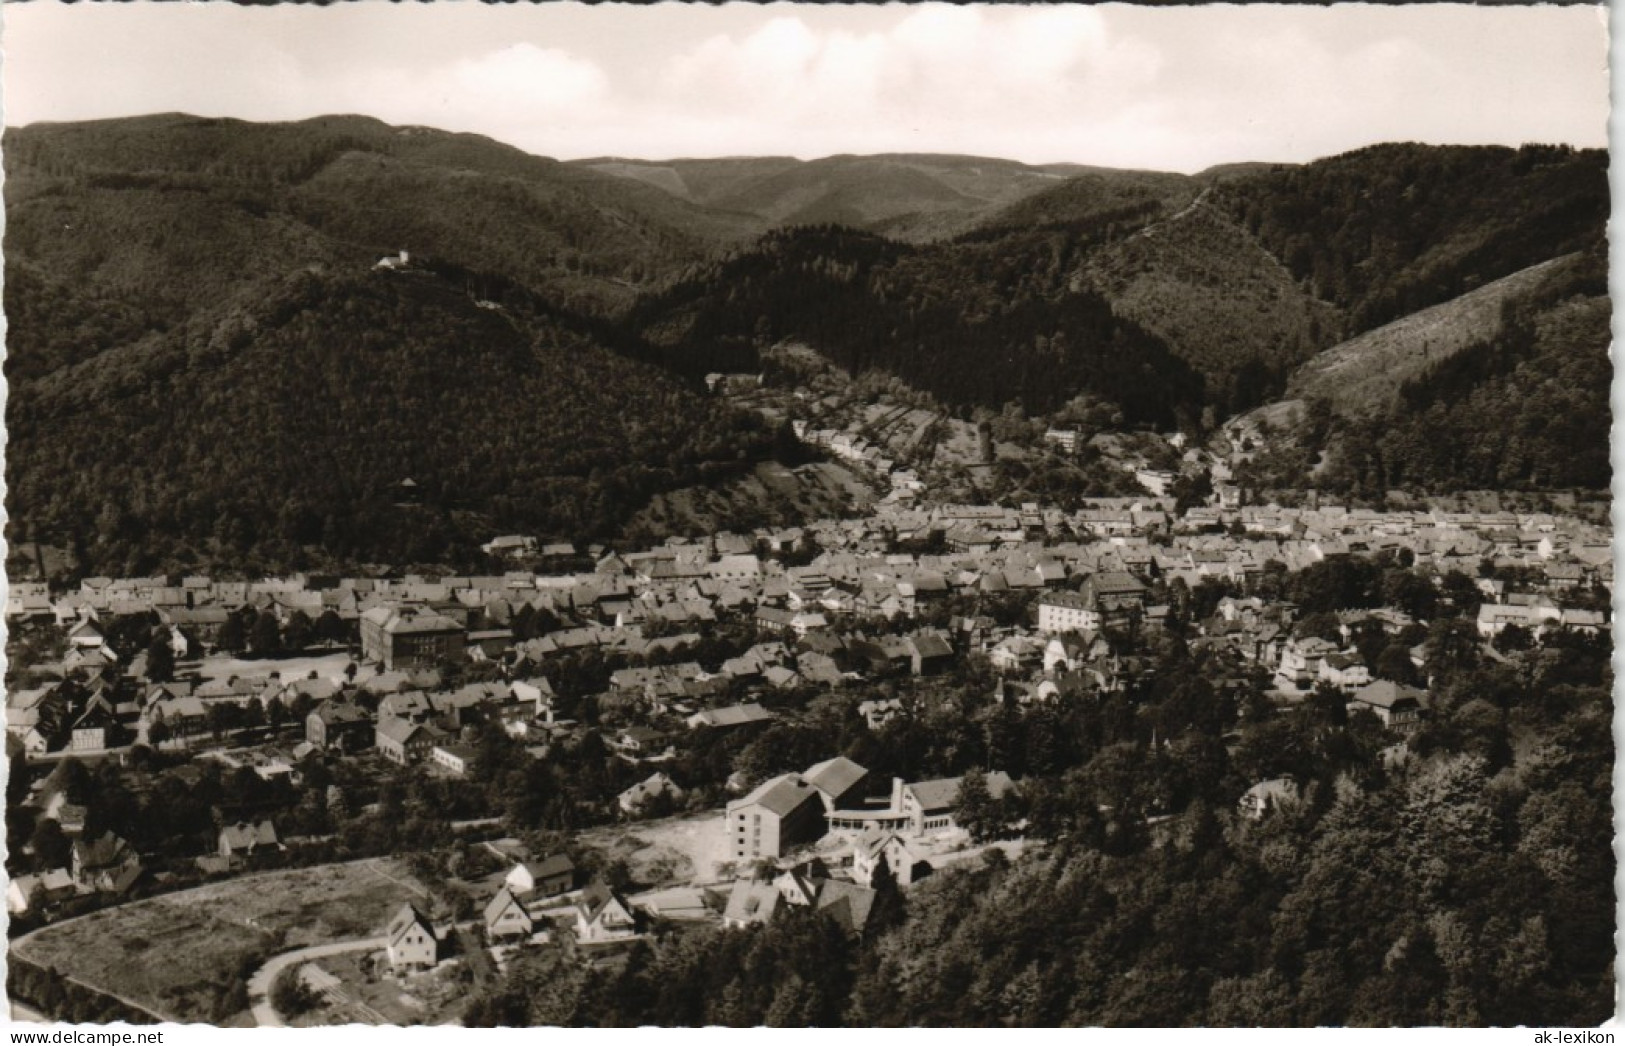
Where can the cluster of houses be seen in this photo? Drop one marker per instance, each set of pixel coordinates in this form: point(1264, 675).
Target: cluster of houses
point(850, 613)
point(104, 864)
point(1088, 569)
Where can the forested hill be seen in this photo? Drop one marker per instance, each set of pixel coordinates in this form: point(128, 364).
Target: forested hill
point(1390, 229)
point(970, 324)
point(1504, 388)
point(282, 440)
point(165, 210)
point(1233, 277)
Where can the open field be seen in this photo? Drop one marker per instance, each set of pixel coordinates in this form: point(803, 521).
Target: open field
point(326, 666)
point(169, 953)
point(665, 853)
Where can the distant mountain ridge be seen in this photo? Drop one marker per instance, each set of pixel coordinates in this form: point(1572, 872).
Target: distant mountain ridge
point(913, 197)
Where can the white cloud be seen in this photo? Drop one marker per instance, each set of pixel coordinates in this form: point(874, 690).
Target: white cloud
point(1177, 88)
point(527, 75)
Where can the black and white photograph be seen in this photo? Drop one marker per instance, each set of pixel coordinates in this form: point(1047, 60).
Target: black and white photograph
point(549, 515)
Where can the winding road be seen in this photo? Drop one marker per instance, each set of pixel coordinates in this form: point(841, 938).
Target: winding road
point(259, 985)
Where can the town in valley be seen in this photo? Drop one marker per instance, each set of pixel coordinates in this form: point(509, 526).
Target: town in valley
point(590, 746)
point(808, 515)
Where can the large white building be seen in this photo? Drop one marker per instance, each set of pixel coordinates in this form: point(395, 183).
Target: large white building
point(1067, 612)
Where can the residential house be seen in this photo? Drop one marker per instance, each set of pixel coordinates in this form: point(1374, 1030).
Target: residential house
point(751, 902)
point(537, 692)
point(1113, 593)
point(1016, 653)
point(510, 545)
point(804, 622)
point(548, 877)
point(107, 864)
point(1060, 612)
point(848, 904)
point(245, 839)
point(878, 712)
point(181, 716)
point(341, 725)
point(730, 716)
point(657, 784)
point(404, 741)
point(455, 759)
point(507, 916)
point(1400, 707)
point(96, 729)
point(413, 942)
point(85, 635)
point(642, 742)
point(1300, 662)
point(1344, 671)
point(602, 916)
point(876, 848)
point(929, 654)
point(31, 892)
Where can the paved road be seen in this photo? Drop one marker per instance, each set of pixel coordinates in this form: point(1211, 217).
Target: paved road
point(259, 985)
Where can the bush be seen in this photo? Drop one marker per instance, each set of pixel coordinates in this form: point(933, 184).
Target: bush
point(290, 995)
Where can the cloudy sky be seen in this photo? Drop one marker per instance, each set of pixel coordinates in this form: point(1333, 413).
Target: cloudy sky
point(1167, 88)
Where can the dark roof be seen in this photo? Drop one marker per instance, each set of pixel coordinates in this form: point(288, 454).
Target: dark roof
point(735, 715)
point(405, 919)
point(102, 853)
point(547, 867)
point(781, 795)
point(835, 777)
point(598, 896)
point(335, 713)
point(847, 903)
point(1385, 693)
point(943, 793)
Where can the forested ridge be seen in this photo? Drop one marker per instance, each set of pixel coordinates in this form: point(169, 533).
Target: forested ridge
point(973, 326)
point(1390, 229)
point(1523, 407)
point(155, 263)
point(283, 438)
point(1219, 285)
point(343, 184)
point(207, 371)
point(912, 197)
